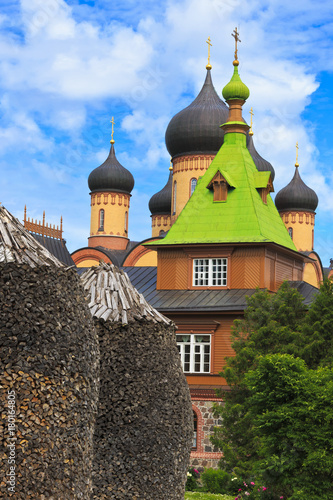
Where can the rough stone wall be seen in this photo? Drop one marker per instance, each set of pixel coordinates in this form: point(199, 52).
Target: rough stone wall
point(206, 455)
point(144, 428)
point(49, 363)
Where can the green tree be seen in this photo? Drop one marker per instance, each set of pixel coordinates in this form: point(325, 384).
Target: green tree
point(318, 329)
point(278, 324)
point(291, 410)
point(271, 324)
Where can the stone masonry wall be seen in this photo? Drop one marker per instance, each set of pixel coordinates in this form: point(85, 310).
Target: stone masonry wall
point(206, 455)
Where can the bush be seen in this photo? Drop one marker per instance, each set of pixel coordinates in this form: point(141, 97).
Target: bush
point(216, 481)
point(192, 479)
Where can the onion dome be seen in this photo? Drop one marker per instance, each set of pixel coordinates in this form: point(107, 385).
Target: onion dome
point(296, 196)
point(235, 89)
point(111, 176)
point(196, 129)
point(261, 164)
point(160, 203)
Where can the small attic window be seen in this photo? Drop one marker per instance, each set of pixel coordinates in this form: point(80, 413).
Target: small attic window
point(220, 187)
point(264, 191)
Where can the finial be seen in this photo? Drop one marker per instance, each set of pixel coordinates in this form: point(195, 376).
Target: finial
point(297, 164)
point(112, 121)
point(25, 213)
point(235, 34)
point(171, 167)
point(209, 66)
point(251, 113)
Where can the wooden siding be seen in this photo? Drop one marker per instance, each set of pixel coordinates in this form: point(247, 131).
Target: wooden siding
point(246, 265)
point(172, 270)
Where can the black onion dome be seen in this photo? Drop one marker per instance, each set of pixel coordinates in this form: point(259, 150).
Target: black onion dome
point(261, 164)
point(296, 196)
point(196, 129)
point(160, 203)
point(111, 176)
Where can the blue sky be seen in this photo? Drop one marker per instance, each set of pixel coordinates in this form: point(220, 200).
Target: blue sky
point(67, 67)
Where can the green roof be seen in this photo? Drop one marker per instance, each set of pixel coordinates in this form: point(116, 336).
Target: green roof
point(243, 218)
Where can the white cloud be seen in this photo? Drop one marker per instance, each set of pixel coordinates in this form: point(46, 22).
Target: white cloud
point(66, 71)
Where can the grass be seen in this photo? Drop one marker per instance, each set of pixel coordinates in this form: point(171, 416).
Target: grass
point(195, 495)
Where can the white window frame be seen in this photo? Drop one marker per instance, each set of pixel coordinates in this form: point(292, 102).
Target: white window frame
point(196, 351)
point(206, 274)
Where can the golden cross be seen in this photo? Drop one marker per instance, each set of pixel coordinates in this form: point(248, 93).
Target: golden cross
point(209, 66)
point(297, 148)
point(235, 34)
point(251, 113)
point(112, 121)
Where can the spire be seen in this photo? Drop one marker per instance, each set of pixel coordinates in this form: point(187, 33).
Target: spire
point(297, 164)
point(235, 34)
point(251, 113)
point(209, 66)
point(235, 93)
point(112, 140)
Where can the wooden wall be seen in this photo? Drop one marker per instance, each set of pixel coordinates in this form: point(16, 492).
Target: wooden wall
point(249, 267)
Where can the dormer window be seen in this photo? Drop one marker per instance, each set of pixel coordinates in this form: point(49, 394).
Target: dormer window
point(219, 186)
point(264, 187)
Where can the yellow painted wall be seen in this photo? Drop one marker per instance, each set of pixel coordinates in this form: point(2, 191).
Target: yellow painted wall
point(302, 224)
point(310, 275)
point(88, 263)
point(148, 259)
point(186, 168)
point(115, 205)
point(160, 223)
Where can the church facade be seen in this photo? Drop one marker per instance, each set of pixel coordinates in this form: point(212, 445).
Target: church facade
point(216, 237)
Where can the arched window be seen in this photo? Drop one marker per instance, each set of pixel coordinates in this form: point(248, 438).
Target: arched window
point(290, 231)
point(126, 222)
point(193, 183)
point(174, 196)
point(101, 220)
point(195, 431)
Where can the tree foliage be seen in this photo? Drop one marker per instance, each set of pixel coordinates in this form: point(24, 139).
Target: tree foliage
point(279, 325)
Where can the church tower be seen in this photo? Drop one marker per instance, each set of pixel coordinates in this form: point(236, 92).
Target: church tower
point(296, 204)
point(193, 137)
point(110, 185)
point(160, 208)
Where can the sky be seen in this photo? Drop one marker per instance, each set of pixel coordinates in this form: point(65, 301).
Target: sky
point(67, 67)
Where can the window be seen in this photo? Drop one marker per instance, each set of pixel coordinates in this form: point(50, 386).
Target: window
point(195, 430)
point(192, 185)
point(209, 272)
point(126, 222)
point(194, 353)
point(174, 196)
point(101, 220)
point(290, 231)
